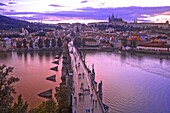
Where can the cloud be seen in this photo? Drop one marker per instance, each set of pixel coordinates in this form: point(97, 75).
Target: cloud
point(84, 1)
point(1, 9)
point(32, 18)
point(127, 13)
point(12, 10)
point(2, 4)
point(20, 13)
point(12, 2)
point(55, 5)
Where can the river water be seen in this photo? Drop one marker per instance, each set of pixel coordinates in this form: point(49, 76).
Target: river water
point(132, 83)
point(32, 68)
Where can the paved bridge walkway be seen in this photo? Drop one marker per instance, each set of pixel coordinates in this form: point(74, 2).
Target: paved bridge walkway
point(85, 98)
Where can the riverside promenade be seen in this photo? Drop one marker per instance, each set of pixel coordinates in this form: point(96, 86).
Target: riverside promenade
point(84, 98)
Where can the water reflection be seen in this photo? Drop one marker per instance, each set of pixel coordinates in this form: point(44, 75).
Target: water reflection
point(5, 55)
point(161, 60)
point(31, 55)
point(32, 68)
point(47, 54)
point(53, 53)
point(132, 83)
point(123, 57)
point(40, 54)
point(19, 53)
point(25, 57)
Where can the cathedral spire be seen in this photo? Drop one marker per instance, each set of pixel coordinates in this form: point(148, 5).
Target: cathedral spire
point(109, 19)
point(112, 17)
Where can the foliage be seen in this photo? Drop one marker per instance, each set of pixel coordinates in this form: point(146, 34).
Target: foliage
point(24, 43)
point(133, 44)
point(40, 43)
point(53, 42)
point(47, 42)
point(19, 44)
point(102, 27)
point(77, 42)
point(40, 34)
point(77, 29)
point(16, 25)
point(10, 35)
point(72, 34)
point(6, 88)
point(62, 96)
point(124, 42)
point(20, 106)
point(9, 23)
point(31, 44)
point(46, 107)
point(59, 42)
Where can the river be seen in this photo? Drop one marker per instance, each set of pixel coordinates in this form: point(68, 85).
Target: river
point(132, 83)
point(32, 68)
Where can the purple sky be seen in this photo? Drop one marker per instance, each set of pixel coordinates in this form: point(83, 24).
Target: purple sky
point(55, 11)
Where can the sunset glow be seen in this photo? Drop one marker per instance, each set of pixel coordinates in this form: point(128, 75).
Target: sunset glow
point(37, 10)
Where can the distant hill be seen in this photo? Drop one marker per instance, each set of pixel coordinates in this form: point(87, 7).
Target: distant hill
point(7, 23)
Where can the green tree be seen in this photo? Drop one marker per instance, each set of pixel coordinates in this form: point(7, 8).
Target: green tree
point(77, 29)
point(20, 106)
point(6, 88)
point(53, 42)
point(59, 42)
point(40, 43)
point(19, 44)
point(47, 42)
point(133, 44)
point(45, 107)
point(24, 43)
point(41, 34)
point(72, 34)
point(124, 42)
point(77, 42)
point(31, 44)
point(62, 97)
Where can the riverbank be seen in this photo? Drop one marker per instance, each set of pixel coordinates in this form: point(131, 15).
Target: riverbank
point(151, 53)
point(139, 52)
point(102, 49)
point(33, 49)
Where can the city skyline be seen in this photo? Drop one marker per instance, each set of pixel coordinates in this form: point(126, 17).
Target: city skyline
point(84, 11)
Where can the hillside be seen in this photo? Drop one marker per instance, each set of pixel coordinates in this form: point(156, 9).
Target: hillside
point(10, 23)
point(7, 23)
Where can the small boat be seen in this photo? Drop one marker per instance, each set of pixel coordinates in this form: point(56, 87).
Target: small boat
point(51, 78)
point(56, 62)
point(46, 94)
point(54, 68)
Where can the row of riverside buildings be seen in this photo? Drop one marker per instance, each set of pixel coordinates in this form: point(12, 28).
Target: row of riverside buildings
point(108, 34)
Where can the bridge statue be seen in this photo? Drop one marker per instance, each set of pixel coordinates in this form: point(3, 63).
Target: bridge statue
point(93, 73)
point(100, 90)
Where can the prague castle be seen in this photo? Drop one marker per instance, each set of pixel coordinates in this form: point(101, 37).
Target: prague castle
point(119, 21)
point(116, 21)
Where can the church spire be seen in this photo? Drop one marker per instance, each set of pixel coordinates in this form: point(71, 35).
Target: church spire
point(112, 17)
point(109, 19)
